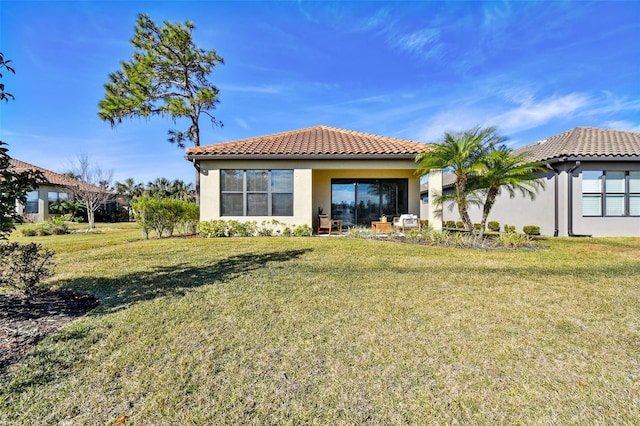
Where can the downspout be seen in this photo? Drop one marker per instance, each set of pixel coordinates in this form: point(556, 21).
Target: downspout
point(556, 172)
point(570, 202)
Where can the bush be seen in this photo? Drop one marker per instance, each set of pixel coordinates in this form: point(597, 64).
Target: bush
point(509, 229)
point(450, 224)
point(52, 226)
point(213, 229)
point(302, 230)
point(29, 231)
point(361, 232)
point(493, 226)
point(476, 226)
point(23, 266)
point(511, 239)
point(460, 224)
point(531, 230)
point(165, 215)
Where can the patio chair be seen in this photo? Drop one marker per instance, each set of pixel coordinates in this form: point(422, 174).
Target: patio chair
point(327, 225)
point(407, 221)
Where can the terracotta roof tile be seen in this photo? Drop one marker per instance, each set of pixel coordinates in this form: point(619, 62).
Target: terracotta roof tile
point(311, 142)
point(585, 142)
point(52, 178)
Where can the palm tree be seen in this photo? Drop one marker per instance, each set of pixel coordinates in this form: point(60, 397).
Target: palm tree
point(502, 169)
point(130, 188)
point(182, 191)
point(159, 188)
point(461, 154)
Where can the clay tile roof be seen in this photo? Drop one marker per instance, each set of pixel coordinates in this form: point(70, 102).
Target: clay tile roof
point(52, 178)
point(312, 142)
point(585, 142)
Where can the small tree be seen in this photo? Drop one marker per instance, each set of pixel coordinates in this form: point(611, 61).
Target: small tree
point(461, 154)
point(91, 190)
point(167, 75)
point(503, 170)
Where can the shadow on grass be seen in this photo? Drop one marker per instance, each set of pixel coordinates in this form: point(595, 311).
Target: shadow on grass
point(48, 364)
point(175, 280)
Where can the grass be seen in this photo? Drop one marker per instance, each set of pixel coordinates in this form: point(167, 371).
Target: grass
point(337, 331)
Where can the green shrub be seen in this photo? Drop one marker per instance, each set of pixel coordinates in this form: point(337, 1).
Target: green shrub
point(511, 239)
point(235, 228)
point(213, 229)
point(509, 229)
point(438, 237)
point(493, 226)
point(302, 230)
point(164, 215)
point(450, 224)
point(23, 266)
point(361, 232)
point(52, 226)
point(459, 224)
point(531, 230)
point(286, 232)
point(477, 226)
point(28, 231)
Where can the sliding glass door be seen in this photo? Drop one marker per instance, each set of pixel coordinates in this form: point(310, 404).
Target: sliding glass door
point(359, 202)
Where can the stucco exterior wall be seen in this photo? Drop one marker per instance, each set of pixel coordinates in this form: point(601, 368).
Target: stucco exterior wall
point(602, 226)
point(521, 211)
point(518, 211)
point(43, 204)
point(311, 184)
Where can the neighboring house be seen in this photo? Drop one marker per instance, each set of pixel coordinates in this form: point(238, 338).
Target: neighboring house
point(36, 209)
point(592, 186)
point(355, 177)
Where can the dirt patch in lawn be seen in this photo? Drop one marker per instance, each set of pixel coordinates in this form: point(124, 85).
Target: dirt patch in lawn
point(24, 322)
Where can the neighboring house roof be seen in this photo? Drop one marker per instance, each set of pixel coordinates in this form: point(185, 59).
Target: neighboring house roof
point(52, 178)
point(584, 142)
point(318, 142)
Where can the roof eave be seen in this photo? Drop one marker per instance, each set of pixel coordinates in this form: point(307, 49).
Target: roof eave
point(201, 157)
point(573, 158)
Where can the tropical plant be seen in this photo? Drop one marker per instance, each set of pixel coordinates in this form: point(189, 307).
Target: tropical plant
point(130, 188)
point(167, 76)
point(503, 170)
point(461, 154)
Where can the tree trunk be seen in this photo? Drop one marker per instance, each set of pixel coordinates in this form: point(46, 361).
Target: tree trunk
point(486, 209)
point(91, 218)
point(461, 186)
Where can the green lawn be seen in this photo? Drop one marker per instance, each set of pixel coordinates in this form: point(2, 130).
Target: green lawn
point(337, 331)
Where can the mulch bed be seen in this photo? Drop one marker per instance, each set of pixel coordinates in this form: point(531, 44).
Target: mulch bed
point(24, 322)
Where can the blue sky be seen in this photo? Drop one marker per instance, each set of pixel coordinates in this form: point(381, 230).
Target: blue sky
point(411, 70)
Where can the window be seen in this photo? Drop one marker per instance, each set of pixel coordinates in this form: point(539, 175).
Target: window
point(616, 193)
point(31, 206)
point(256, 193)
point(54, 197)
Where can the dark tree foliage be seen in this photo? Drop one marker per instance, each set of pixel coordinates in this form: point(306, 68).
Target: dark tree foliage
point(14, 185)
point(167, 76)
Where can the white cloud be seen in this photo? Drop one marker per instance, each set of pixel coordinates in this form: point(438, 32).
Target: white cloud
point(622, 125)
point(531, 114)
point(416, 42)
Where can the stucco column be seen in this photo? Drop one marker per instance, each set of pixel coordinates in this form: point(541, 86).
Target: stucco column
point(435, 190)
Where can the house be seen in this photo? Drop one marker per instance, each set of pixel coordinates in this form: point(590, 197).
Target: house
point(591, 188)
point(355, 177)
point(55, 188)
